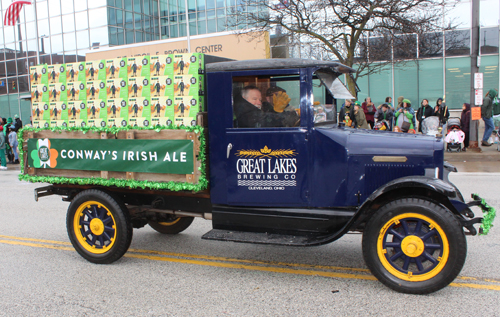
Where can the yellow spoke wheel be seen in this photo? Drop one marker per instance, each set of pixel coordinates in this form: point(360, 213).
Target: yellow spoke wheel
point(98, 226)
point(414, 245)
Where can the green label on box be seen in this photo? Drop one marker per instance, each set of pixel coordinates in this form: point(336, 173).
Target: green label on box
point(145, 156)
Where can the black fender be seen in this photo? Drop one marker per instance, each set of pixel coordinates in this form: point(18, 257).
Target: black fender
point(411, 184)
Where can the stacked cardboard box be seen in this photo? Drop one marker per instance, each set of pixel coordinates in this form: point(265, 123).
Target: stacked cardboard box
point(136, 91)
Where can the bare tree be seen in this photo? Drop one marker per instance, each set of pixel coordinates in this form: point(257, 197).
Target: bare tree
point(357, 33)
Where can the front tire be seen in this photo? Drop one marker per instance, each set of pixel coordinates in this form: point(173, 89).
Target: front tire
point(414, 246)
point(98, 226)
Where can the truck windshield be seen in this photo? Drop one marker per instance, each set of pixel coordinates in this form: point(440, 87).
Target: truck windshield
point(327, 82)
point(266, 101)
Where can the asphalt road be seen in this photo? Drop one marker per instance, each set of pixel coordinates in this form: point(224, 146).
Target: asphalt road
point(182, 275)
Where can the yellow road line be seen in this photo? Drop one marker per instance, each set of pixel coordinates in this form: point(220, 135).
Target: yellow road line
point(253, 265)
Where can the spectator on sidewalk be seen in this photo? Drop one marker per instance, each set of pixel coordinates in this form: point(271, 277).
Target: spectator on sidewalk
point(388, 101)
point(13, 143)
point(6, 131)
point(405, 117)
point(3, 161)
point(465, 123)
point(423, 112)
point(385, 113)
point(359, 114)
point(369, 110)
point(17, 123)
point(487, 114)
point(346, 114)
point(441, 110)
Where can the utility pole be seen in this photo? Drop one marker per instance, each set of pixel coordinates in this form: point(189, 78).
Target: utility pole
point(474, 68)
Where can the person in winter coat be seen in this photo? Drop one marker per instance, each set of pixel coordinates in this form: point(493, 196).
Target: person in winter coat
point(346, 114)
point(423, 112)
point(369, 109)
point(384, 112)
point(6, 131)
point(400, 103)
point(441, 110)
point(465, 123)
point(13, 143)
point(359, 114)
point(17, 123)
point(405, 111)
point(388, 101)
point(3, 161)
point(487, 114)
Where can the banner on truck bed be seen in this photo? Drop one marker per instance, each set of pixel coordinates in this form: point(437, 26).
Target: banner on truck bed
point(145, 156)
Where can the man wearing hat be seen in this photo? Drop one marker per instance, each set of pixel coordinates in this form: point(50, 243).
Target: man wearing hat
point(8, 150)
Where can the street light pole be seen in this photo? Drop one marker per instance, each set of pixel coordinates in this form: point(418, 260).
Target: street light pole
point(474, 68)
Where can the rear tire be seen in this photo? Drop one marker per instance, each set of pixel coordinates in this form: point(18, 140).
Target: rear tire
point(414, 246)
point(99, 226)
point(172, 225)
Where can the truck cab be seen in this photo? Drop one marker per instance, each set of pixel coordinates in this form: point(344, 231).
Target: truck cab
point(317, 175)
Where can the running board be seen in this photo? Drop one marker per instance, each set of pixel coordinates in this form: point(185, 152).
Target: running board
point(262, 238)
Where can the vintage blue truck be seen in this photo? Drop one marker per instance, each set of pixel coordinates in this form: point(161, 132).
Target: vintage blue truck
point(293, 181)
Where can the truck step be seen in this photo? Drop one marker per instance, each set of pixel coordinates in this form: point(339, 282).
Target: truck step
point(260, 237)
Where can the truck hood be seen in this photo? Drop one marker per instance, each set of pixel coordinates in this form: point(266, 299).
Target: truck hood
point(371, 142)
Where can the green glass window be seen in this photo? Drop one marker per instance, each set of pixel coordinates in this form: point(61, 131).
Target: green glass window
point(430, 80)
point(457, 82)
point(406, 83)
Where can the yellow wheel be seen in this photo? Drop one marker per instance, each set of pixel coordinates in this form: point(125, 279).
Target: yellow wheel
point(98, 226)
point(414, 246)
point(171, 224)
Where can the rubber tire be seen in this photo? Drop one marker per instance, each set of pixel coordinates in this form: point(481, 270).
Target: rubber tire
point(176, 227)
point(123, 226)
point(443, 217)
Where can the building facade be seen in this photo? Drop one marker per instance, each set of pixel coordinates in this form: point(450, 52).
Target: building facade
point(441, 63)
point(63, 31)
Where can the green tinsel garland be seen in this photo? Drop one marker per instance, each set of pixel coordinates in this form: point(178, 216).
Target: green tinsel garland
point(173, 186)
point(489, 214)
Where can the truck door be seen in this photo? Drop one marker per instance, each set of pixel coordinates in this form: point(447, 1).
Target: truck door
point(267, 155)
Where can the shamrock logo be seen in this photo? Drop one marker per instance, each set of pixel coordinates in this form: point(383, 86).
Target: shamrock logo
point(44, 156)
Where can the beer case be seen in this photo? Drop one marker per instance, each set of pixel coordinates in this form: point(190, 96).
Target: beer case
point(95, 70)
point(40, 111)
point(38, 75)
point(76, 91)
point(57, 92)
point(139, 87)
point(56, 73)
point(189, 85)
point(96, 90)
point(117, 109)
point(138, 66)
point(116, 88)
point(39, 93)
point(161, 86)
point(189, 64)
point(161, 65)
point(116, 68)
point(96, 111)
point(77, 110)
point(75, 72)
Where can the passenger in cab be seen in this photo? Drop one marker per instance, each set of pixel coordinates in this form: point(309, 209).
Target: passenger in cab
point(249, 112)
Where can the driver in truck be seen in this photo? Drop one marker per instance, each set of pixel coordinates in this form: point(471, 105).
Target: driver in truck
point(249, 113)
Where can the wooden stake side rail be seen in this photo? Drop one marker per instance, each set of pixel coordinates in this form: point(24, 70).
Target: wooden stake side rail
point(131, 134)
